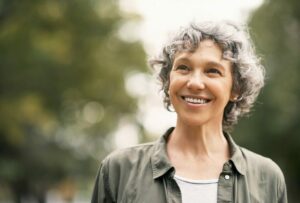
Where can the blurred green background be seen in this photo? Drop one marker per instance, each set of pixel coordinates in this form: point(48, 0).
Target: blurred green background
point(62, 94)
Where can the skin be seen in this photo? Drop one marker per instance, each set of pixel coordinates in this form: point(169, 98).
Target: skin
point(197, 147)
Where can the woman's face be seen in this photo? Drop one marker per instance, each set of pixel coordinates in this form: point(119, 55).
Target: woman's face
point(200, 85)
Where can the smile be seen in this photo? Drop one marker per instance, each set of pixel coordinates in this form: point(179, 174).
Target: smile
point(196, 100)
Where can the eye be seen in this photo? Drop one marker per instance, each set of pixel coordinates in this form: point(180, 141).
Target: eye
point(182, 68)
point(214, 71)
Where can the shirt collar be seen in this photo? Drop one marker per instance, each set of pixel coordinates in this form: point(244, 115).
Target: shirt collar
point(162, 165)
point(236, 155)
point(159, 159)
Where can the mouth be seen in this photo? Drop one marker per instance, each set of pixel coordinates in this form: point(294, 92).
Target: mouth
point(195, 100)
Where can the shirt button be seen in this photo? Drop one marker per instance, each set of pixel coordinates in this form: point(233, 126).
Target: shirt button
point(227, 177)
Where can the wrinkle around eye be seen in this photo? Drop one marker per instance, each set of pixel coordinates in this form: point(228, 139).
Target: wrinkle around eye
point(214, 71)
point(183, 69)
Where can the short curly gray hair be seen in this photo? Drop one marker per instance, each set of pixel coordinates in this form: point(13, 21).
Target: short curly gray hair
point(237, 47)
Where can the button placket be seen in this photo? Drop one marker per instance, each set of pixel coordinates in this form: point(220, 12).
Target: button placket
point(173, 191)
point(225, 185)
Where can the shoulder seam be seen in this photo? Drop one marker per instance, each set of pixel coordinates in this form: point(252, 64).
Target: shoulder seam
point(106, 175)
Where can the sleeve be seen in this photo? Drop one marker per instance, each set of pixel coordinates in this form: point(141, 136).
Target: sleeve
point(277, 182)
point(101, 193)
point(282, 193)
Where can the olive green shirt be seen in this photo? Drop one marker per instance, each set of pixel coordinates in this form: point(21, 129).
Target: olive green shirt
point(144, 174)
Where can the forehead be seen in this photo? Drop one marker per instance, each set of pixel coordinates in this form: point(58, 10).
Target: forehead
point(206, 50)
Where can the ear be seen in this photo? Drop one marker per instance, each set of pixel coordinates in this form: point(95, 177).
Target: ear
point(233, 96)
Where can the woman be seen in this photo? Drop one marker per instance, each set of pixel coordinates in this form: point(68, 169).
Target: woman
point(211, 76)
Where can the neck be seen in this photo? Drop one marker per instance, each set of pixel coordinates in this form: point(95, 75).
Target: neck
point(195, 141)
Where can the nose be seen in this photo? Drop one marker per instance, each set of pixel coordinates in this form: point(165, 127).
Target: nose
point(196, 81)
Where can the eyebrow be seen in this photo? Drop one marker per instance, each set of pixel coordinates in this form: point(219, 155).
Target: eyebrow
point(209, 63)
point(215, 64)
point(182, 59)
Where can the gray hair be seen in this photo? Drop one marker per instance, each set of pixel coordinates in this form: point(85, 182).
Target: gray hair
point(237, 47)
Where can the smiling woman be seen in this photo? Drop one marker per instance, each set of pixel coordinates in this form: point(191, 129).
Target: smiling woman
point(200, 85)
point(211, 76)
point(235, 46)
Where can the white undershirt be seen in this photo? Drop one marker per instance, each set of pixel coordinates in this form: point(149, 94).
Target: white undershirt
point(197, 191)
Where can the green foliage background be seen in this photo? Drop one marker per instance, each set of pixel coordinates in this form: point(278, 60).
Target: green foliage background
point(62, 91)
point(62, 68)
point(273, 129)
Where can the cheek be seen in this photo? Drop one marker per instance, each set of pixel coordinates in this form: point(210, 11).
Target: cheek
point(223, 89)
point(173, 81)
point(176, 83)
point(226, 89)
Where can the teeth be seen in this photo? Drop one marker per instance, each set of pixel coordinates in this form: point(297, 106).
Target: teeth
point(195, 100)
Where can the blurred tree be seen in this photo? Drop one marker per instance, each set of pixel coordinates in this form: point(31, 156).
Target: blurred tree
point(62, 90)
point(274, 128)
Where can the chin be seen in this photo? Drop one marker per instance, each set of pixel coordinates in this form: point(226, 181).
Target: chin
point(193, 122)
